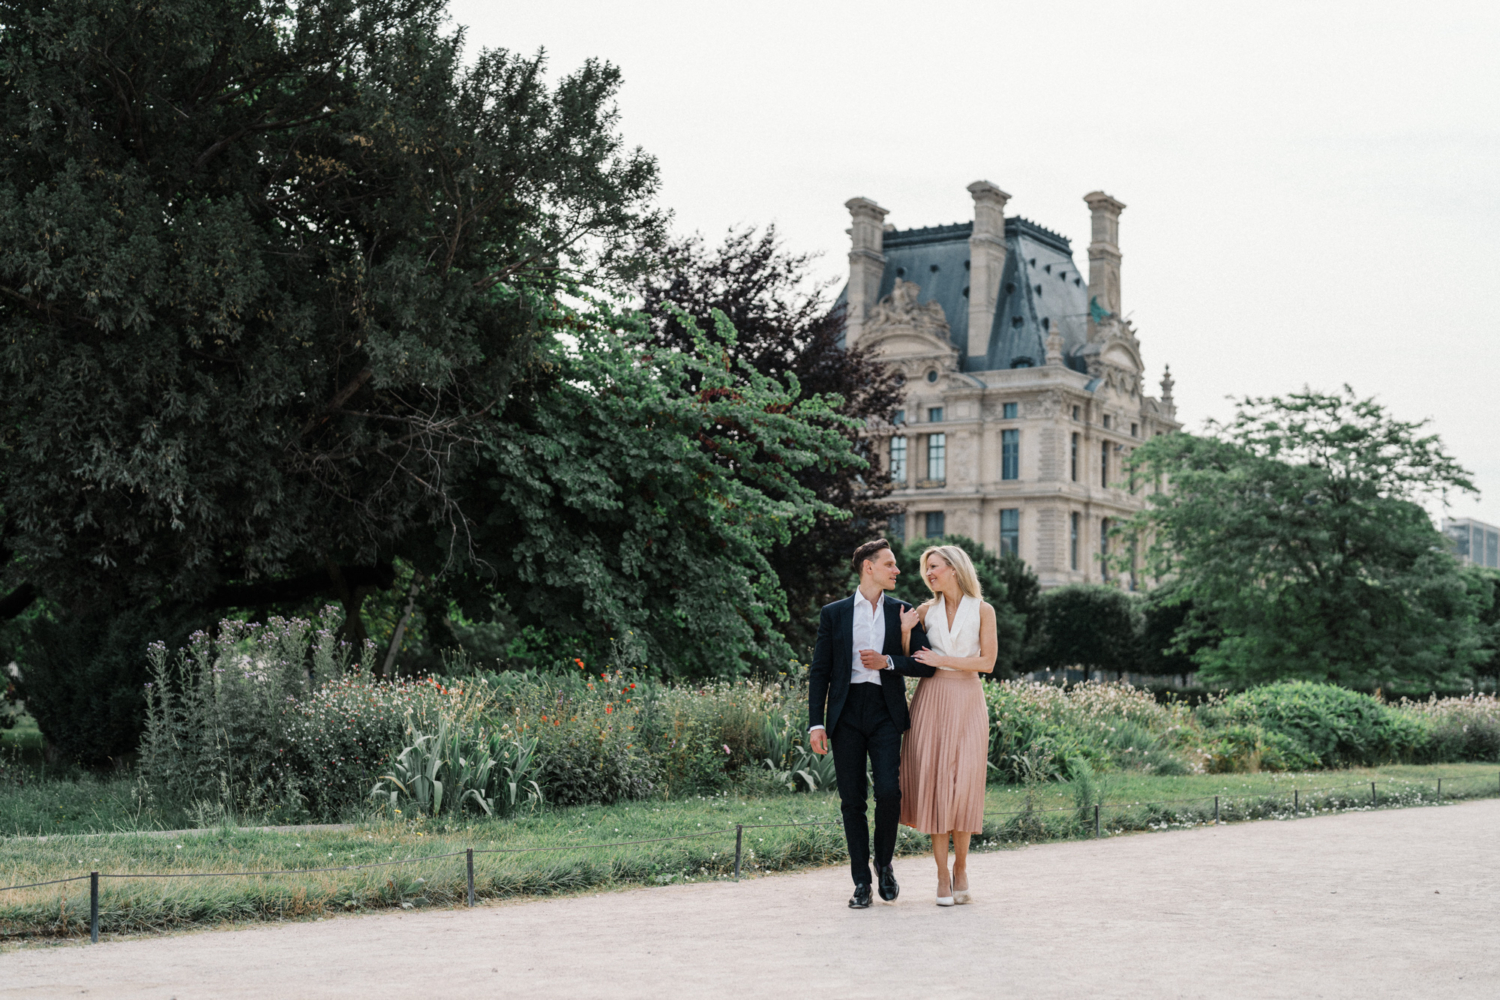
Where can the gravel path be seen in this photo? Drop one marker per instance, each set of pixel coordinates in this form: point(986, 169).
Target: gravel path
point(1402, 903)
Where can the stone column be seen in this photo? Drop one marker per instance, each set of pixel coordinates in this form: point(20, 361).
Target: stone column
point(1104, 258)
point(866, 263)
point(986, 263)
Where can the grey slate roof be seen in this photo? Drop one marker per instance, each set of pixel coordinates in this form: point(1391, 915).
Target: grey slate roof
point(1040, 290)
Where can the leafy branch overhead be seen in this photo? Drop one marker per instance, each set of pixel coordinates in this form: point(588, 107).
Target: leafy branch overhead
point(267, 274)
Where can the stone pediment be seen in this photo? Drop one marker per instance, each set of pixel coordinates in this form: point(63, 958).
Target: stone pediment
point(900, 326)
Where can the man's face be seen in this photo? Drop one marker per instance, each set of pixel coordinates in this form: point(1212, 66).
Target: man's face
point(883, 569)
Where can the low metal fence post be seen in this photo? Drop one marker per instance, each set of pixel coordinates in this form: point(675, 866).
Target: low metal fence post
point(470, 858)
point(1216, 810)
point(94, 907)
point(739, 837)
point(1373, 802)
point(1296, 802)
point(1440, 790)
point(1096, 819)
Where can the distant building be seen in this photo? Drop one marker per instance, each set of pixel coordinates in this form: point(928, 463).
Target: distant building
point(1474, 542)
point(1024, 381)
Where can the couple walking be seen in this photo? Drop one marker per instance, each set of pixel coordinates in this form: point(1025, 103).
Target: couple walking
point(933, 781)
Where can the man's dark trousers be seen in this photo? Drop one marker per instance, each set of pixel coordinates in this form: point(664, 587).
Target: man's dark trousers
point(865, 728)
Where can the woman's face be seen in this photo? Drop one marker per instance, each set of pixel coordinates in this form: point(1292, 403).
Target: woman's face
point(939, 574)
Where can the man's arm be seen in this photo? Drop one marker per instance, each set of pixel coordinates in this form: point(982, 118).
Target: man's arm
point(907, 666)
point(819, 674)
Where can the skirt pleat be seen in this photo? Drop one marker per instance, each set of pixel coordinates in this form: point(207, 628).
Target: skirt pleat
point(944, 754)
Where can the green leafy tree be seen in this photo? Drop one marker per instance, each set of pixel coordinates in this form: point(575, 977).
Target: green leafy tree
point(268, 273)
point(1296, 534)
point(1007, 584)
point(785, 325)
point(1089, 625)
point(632, 498)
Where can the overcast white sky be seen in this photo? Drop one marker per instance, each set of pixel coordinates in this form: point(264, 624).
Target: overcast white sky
point(1313, 189)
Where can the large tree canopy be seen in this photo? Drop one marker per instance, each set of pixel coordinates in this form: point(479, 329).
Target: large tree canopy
point(785, 326)
point(267, 274)
point(1295, 536)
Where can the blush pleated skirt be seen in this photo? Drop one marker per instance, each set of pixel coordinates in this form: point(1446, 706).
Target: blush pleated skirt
point(944, 754)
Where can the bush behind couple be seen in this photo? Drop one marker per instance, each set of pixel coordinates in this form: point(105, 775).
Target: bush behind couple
point(933, 780)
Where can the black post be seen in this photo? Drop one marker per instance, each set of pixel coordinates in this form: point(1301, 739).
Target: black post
point(94, 907)
point(469, 856)
point(1216, 810)
point(739, 836)
point(1372, 795)
point(1296, 802)
point(1096, 819)
point(1440, 789)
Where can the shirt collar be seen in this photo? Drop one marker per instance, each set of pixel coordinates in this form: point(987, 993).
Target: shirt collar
point(860, 599)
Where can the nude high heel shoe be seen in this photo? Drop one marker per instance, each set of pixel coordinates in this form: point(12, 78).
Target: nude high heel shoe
point(948, 899)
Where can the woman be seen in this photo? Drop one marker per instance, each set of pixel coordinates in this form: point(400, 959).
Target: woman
point(944, 757)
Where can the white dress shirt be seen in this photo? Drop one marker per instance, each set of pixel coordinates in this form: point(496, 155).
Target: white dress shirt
point(869, 633)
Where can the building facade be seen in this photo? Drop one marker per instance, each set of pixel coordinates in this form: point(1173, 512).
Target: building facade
point(1474, 542)
point(1024, 382)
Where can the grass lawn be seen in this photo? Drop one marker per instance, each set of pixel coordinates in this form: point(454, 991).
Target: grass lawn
point(133, 905)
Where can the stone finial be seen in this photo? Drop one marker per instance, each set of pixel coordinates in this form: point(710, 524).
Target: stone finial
point(1055, 347)
point(1166, 388)
point(1104, 258)
point(866, 263)
point(986, 263)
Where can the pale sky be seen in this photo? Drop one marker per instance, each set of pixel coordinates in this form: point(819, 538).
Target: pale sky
point(1313, 189)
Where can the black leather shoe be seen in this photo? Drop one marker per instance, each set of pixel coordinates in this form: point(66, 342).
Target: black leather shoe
point(889, 890)
point(861, 898)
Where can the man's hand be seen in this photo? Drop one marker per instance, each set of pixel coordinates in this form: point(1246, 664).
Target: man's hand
point(871, 660)
point(819, 740)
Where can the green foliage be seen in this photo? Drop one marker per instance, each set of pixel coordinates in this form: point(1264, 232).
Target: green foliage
point(1007, 584)
point(1089, 625)
point(1464, 728)
point(1326, 725)
point(265, 271)
point(270, 720)
point(489, 772)
point(633, 499)
point(1295, 535)
point(785, 325)
point(84, 679)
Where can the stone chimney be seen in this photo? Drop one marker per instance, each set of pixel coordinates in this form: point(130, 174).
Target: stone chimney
point(1104, 259)
point(986, 263)
point(866, 264)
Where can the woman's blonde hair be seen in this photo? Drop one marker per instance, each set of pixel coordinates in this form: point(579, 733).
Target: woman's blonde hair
point(958, 559)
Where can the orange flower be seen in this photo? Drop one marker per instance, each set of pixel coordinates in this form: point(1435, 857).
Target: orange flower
point(608, 709)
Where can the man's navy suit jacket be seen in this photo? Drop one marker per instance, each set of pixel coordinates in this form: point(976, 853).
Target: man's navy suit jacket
point(833, 658)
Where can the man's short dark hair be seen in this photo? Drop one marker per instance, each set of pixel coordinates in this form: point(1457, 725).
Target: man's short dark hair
point(867, 551)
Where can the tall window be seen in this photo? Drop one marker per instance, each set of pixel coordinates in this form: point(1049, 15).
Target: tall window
point(899, 418)
point(1073, 458)
point(1010, 532)
point(937, 457)
point(896, 528)
point(1010, 454)
point(898, 459)
point(1073, 542)
point(1008, 411)
point(934, 414)
point(1103, 463)
point(1104, 549)
point(934, 524)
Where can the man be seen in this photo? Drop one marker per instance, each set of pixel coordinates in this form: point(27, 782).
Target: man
point(858, 672)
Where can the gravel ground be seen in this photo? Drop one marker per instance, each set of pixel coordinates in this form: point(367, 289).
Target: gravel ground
point(1401, 903)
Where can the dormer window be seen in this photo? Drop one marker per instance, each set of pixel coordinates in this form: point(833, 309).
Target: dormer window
point(932, 375)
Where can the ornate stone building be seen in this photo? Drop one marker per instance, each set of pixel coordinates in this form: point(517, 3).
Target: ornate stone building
point(1024, 381)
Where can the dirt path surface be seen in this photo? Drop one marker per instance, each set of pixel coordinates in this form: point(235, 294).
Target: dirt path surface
point(1384, 904)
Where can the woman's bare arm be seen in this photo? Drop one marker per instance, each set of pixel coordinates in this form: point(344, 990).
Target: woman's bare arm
point(989, 646)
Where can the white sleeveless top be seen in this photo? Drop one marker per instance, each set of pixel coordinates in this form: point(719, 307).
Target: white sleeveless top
point(963, 638)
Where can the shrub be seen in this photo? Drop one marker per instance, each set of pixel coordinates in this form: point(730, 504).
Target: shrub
point(1465, 728)
point(453, 769)
point(273, 719)
point(1321, 722)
